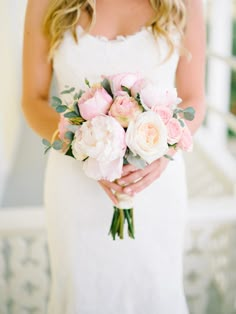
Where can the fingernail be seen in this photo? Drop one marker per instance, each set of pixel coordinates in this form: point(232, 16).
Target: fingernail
point(128, 190)
point(121, 182)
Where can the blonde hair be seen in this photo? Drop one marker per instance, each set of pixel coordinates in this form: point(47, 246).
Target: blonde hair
point(63, 15)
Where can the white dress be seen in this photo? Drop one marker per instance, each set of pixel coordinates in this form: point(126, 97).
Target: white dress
point(91, 273)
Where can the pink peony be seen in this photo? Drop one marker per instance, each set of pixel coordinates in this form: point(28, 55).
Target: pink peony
point(94, 102)
point(99, 170)
point(152, 96)
point(122, 79)
point(186, 140)
point(174, 131)
point(164, 112)
point(62, 127)
point(138, 86)
point(124, 109)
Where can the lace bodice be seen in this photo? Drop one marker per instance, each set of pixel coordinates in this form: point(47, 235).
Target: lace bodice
point(93, 56)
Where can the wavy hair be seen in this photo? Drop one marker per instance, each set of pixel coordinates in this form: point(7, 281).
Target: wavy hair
point(63, 15)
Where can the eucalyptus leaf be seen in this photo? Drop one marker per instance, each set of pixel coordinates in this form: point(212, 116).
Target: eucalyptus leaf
point(46, 142)
point(71, 114)
point(188, 116)
point(56, 101)
point(69, 135)
point(190, 110)
point(76, 108)
point(126, 89)
point(81, 92)
point(61, 108)
point(72, 128)
point(68, 91)
point(135, 160)
point(107, 86)
point(57, 145)
point(178, 110)
point(181, 122)
point(78, 95)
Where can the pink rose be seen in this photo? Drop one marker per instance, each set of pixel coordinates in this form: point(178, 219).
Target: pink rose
point(164, 112)
point(174, 130)
point(124, 109)
point(122, 79)
point(62, 127)
point(186, 140)
point(94, 102)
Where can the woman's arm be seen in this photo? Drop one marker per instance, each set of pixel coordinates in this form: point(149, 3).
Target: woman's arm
point(37, 73)
point(190, 78)
point(190, 74)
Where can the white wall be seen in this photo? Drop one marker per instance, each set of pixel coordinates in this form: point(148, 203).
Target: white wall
point(21, 153)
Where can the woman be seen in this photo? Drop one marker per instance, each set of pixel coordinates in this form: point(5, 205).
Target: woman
point(91, 274)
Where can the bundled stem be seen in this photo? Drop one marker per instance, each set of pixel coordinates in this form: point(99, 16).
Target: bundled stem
point(120, 217)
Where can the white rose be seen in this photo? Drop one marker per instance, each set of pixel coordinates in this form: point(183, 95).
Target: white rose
point(146, 136)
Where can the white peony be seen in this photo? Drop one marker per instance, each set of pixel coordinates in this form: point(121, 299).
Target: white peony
point(146, 136)
point(102, 141)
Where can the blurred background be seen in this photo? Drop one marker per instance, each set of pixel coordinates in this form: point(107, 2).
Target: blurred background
point(210, 257)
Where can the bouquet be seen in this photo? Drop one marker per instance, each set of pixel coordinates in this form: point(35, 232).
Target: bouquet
point(123, 119)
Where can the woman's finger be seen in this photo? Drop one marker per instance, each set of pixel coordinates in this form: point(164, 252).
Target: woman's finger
point(140, 185)
point(112, 185)
point(128, 168)
point(109, 193)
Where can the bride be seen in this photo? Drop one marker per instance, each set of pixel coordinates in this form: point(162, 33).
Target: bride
point(164, 40)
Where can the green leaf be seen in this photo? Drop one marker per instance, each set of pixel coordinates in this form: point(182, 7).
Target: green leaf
point(178, 110)
point(57, 145)
point(71, 114)
point(69, 152)
point(190, 110)
point(69, 135)
point(56, 101)
point(68, 91)
point(168, 157)
point(87, 82)
point(138, 99)
point(78, 95)
point(188, 116)
point(126, 89)
point(181, 122)
point(76, 108)
point(61, 108)
point(46, 142)
point(107, 86)
point(47, 149)
point(72, 128)
point(135, 160)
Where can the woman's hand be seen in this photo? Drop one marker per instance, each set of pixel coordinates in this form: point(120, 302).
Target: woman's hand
point(111, 187)
point(137, 180)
